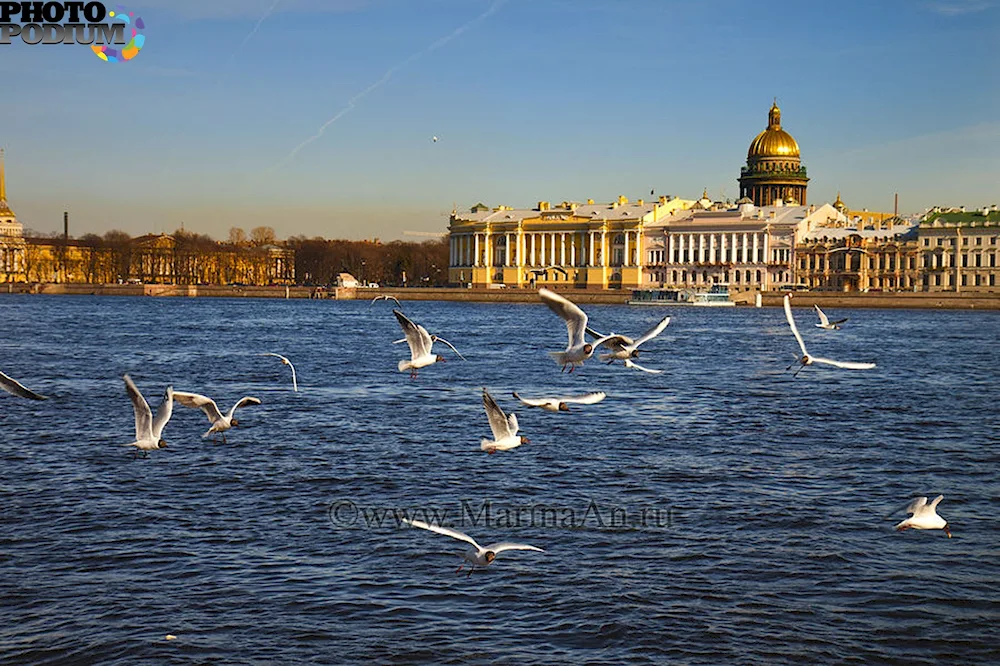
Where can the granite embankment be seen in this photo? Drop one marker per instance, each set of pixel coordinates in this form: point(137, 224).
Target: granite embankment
point(825, 299)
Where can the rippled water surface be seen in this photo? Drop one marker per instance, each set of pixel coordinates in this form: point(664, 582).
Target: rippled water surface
point(721, 512)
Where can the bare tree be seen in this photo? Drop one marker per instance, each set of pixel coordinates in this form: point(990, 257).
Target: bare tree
point(237, 236)
point(262, 236)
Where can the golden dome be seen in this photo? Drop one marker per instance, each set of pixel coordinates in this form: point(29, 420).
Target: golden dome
point(774, 141)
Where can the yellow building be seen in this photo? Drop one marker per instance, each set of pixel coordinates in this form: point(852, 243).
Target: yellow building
point(587, 246)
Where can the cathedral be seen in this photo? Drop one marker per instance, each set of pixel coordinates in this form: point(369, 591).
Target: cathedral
point(774, 173)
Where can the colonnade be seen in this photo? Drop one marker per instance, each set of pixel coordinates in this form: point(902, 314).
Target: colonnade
point(542, 248)
point(718, 248)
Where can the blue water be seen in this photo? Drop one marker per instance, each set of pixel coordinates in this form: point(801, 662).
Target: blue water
point(736, 515)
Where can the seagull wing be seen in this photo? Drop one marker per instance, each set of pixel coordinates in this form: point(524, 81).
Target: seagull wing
point(201, 402)
point(163, 412)
point(823, 320)
point(454, 534)
point(850, 365)
point(653, 332)
point(629, 363)
point(839, 321)
point(436, 338)
point(575, 318)
point(916, 505)
point(498, 420)
point(14, 387)
point(791, 322)
point(935, 502)
point(586, 399)
point(506, 545)
point(417, 336)
point(512, 423)
point(143, 415)
point(244, 401)
point(295, 384)
point(614, 341)
point(531, 402)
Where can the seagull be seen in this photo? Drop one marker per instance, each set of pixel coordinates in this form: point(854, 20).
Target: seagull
point(148, 430)
point(562, 404)
point(824, 322)
point(386, 297)
point(504, 428)
point(625, 348)
point(809, 360)
point(434, 139)
point(420, 342)
point(578, 350)
point(295, 385)
point(477, 555)
point(14, 387)
point(220, 422)
point(924, 516)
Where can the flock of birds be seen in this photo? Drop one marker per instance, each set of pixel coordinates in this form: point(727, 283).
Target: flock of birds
point(504, 427)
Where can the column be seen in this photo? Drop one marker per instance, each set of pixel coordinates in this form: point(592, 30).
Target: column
point(552, 252)
point(756, 248)
point(670, 248)
point(734, 249)
point(604, 249)
point(572, 248)
point(701, 248)
point(562, 249)
point(476, 256)
point(593, 255)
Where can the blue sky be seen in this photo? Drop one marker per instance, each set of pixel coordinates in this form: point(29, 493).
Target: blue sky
point(531, 100)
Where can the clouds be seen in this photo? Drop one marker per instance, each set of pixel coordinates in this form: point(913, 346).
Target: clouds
point(960, 7)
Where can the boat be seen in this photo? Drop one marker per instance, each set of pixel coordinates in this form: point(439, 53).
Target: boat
point(716, 296)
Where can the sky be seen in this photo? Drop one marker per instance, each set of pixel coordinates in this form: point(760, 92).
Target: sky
point(317, 117)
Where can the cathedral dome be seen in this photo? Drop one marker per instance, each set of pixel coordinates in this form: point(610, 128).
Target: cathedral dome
point(774, 141)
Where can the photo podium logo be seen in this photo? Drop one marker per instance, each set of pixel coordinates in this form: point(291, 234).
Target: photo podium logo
point(114, 35)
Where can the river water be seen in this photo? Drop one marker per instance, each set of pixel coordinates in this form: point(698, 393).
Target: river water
point(722, 512)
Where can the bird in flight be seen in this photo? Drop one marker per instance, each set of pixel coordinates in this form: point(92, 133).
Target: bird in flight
point(149, 430)
point(220, 422)
point(806, 359)
point(924, 516)
point(477, 556)
point(578, 349)
point(824, 321)
point(624, 348)
point(420, 343)
point(561, 404)
point(504, 428)
point(295, 384)
point(14, 387)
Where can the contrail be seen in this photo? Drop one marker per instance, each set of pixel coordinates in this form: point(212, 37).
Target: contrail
point(351, 103)
point(255, 29)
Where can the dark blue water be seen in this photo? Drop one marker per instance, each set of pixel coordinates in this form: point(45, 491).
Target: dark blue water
point(719, 513)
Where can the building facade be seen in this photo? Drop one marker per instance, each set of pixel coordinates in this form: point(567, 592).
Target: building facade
point(586, 246)
point(774, 171)
point(12, 245)
point(959, 250)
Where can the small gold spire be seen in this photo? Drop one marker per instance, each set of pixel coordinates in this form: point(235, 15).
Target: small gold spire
point(3, 179)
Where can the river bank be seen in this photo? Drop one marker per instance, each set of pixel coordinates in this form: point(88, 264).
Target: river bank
point(825, 299)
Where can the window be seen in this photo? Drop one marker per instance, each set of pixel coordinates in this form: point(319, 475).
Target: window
point(965, 241)
point(979, 240)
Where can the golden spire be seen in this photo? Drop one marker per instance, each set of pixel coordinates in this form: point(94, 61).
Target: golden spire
point(3, 183)
point(774, 116)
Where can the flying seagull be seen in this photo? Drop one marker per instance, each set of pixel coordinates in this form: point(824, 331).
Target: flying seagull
point(924, 516)
point(220, 422)
point(478, 555)
point(295, 384)
point(562, 404)
point(624, 348)
point(578, 349)
point(149, 430)
point(420, 342)
point(386, 297)
point(809, 360)
point(504, 428)
point(824, 322)
point(14, 387)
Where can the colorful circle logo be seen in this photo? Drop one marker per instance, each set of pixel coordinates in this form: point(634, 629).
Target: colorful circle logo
point(130, 50)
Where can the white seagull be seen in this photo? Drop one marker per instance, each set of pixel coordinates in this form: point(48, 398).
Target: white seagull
point(624, 348)
point(578, 350)
point(220, 422)
point(477, 555)
point(809, 360)
point(824, 321)
point(420, 342)
point(504, 428)
point(386, 297)
point(924, 516)
point(14, 387)
point(148, 431)
point(295, 384)
point(562, 404)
